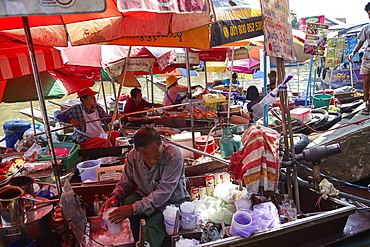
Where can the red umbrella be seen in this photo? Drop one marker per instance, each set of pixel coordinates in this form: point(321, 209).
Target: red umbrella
point(54, 86)
point(15, 59)
point(87, 60)
point(121, 18)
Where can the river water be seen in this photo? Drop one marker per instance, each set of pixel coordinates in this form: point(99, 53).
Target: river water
point(9, 111)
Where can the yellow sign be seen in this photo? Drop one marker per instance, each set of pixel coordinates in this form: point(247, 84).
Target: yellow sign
point(198, 38)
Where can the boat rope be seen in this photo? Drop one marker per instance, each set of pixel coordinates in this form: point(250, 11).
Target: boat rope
point(338, 127)
point(335, 179)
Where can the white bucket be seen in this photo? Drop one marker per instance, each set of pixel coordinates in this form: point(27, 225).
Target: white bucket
point(87, 170)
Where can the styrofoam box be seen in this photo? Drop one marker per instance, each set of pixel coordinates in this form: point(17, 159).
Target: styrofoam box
point(301, 114)
point(185, 139)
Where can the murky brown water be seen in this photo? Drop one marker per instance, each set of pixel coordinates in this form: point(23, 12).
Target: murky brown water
point(9, 111)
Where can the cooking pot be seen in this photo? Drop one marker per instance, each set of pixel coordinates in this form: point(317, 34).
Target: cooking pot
point(110, 161)
point(11, 205)
point(37, 225)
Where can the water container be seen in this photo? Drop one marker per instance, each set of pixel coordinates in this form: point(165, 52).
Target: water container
point(229, 143)
point(87, 170)
point(321, 101)
point(13, 131)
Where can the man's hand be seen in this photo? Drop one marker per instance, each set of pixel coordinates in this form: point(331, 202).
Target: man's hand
point(350, 56)
point(119, 116)
point(75, 123)
point(111, 202)
point(121, 213)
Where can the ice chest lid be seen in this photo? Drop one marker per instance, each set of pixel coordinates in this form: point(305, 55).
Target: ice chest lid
point(300, 111)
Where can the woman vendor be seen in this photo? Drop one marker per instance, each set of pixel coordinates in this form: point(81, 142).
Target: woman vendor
point(172, 95)
point(88, 135)
point(134, 104)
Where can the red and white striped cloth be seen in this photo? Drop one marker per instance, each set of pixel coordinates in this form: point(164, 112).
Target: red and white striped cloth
point(261, 162)
point(15, 61)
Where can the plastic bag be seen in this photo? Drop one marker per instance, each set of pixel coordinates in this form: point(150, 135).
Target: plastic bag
point(244, 223)
point(33, 152)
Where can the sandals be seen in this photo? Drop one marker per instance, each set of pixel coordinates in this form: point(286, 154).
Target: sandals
point(366, 111)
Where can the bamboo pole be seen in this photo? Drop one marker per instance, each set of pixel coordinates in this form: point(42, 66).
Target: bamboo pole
point(118, 94)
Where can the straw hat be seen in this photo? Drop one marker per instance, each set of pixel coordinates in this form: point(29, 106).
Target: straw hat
point(171, 80)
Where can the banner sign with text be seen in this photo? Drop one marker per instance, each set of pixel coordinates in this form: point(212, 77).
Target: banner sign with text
point(351, 41)
point(49, 7)
point(313, 19)
point(277, 29)
point(334, 52)
point(316, 39)
point(134, 64)
point(228, 31)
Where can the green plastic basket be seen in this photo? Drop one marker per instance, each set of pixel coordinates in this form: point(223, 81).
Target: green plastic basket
point(69, 160)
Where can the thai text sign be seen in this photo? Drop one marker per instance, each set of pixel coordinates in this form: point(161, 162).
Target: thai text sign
point(49, 7)
point(277, 29)
point(344, 75)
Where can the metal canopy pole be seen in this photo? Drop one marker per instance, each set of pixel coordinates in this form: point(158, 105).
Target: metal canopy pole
point(40, 95)
point(230, 85)
point(190, 98)
point(205, 74)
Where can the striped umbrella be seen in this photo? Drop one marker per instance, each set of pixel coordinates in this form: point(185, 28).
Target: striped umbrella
point(15, 59)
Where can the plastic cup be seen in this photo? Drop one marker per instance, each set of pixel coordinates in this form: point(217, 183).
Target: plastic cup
point(243, 224)
point(169, 226)
point(113, 228)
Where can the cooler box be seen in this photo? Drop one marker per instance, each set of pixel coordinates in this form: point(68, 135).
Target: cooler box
point(301, 114)
point(13, 131)
point(67, 161)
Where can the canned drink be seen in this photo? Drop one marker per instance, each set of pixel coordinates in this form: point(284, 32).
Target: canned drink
point(58, 224)
point(210, 179)
point(218, 178)
point(210, 190)
point(194, 193)
point(202, 192)
point(226, 177)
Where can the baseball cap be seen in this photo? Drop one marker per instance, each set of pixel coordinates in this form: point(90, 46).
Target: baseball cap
point(86, 91)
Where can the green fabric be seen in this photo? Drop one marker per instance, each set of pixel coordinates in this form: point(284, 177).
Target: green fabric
point(23, 88)
point(155, 230)
point(105, 76)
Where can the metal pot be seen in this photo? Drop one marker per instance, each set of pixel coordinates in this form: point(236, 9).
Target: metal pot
point(110, 161)
point(37, 225)
point(11, 206)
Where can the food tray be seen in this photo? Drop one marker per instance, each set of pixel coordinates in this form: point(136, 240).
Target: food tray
point(220, 98)
point(109, 173)
point(69, 160)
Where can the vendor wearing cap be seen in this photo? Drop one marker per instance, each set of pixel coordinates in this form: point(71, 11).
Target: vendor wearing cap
point(88, 135)
point(134, 104)
point(172, 95)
